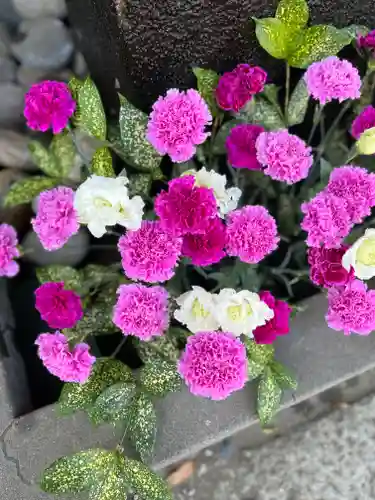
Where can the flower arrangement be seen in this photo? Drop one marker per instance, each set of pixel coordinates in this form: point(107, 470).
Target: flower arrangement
point(226, 200)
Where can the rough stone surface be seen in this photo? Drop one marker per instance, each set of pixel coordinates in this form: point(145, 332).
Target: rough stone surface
point(33, 9)
point(11, 104)
point(8, 13)
point(27, 76)
point(151, 46)
point(14, 151)
point(47, 45)
point(7, 70)
point(4, 40)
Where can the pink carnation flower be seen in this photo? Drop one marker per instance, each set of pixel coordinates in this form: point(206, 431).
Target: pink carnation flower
point(251, 234)
point(326, 268)
point(177, 124)
point(205, 249)
point(333, 78)
point(285, 155)
point(240, 146)
point(364, 121)
point(357, 187)
point(214, 364)
point(186, 208)
point(49, 104)
point(59, 308)
point(141, 311)
point(351, 308)
point(326, 220)
point(237, 87)
point(149, 254)
point(66, 364)
point(367, 41)
point(56, 219)
point(278, 325)
point(8, 251)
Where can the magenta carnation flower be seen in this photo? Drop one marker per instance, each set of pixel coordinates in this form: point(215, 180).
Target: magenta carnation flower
point(186, 208)
point(58, 307)
point(367, 41)
point(357, 187)
point(240, 146)
point(56, 219)
point(237, 87)
point(8, 251)
point(333, 78)
point(351, 308)
point(285, 155)
point(278, 325)
point(149, 254)
point(205, 249)
point(364, 121)
point(251, 234)
point(66, 364)
point(214, 364)
point(326, 268)
point(177, 124)
point(326, 220)
point(141, 311)
point(49, 104)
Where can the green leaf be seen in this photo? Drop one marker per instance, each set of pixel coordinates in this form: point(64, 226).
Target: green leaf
point(95, 275)
point(97, 320)
point(74, 85)
point(296, 309)
point(140, 184)
point(101, 163)
point(325, 170)
point(293, 13)
point(142, 425)
point(355, 30)
point(299, 101)
point(262, 112)
point(144, 482)
point(159, 377)
point(207, 82)
point(316, 43)
point(260, 353)
point(254, 369)
point(135, 147)
point(63, 150)
point(273, 36)
point(287, 214)
point(269, 397)
point(44, 159)
point(90, 116)
point(218, 147)
point(71, 277)
point(25, 190)
point(283, 377)
point(161, 347)
point(113, 403)
point(271, 93)
point(77, 472)
point(105, 373)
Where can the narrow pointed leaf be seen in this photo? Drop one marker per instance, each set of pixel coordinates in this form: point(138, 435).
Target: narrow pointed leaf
point(262, 112)
point(44, 159)
point(64, 151)
point(254, 369)
point(90, 116)
point(101, 163)
point(269, 396)
point(113, 403)
point(142, 427)
point(25, 190)
point(207, 82)
point(283, 377)
point(71, 277)
point(299, 101)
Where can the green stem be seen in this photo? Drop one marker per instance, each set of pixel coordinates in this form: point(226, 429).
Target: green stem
point(287, 91)
point(353, 153)
point(317, 119)
point(201, 272)
point(118, 348)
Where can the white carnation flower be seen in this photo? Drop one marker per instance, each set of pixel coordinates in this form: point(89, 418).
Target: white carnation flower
point(104, 201)
point(197, 310)
point(361, 256)
point(241, 312)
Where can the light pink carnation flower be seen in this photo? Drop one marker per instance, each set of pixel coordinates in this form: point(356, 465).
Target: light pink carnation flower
point(49, 104)
point(333, 78)
point(58, 307)
point(8, 251)
point(149, 254)
point(214, 364)
point(326, 220)
point(66, 364)
point(357, 187)
point(285, 155)
point(56, 219)
point(141, 311)
point(351, 308)
point(177, 124)
point(251, 234)
point(186, 208)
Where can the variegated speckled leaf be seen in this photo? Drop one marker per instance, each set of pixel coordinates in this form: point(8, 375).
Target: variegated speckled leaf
point(135, 147)
point(44, 159)
point(71, 277)
point(316, 43)
point(284, 378)
point(220, 138)
point(139, 184)
point(90, 116)
point(25, 190)
point(64, 151)
point(254, 369)
point(299, 101)
point(159, 377)
point(74, 85)
point(143, 481)
point(260, 353)
point(101, 163)
point(260, 111)
point(112, 405)
point(160, 347)
point(269, 396)
point(293, 13)
point(273, 36)
point(142, 426)
point(105, 373)
point(207, 82)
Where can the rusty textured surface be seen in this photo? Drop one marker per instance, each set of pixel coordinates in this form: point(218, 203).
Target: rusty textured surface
point(150, 45)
